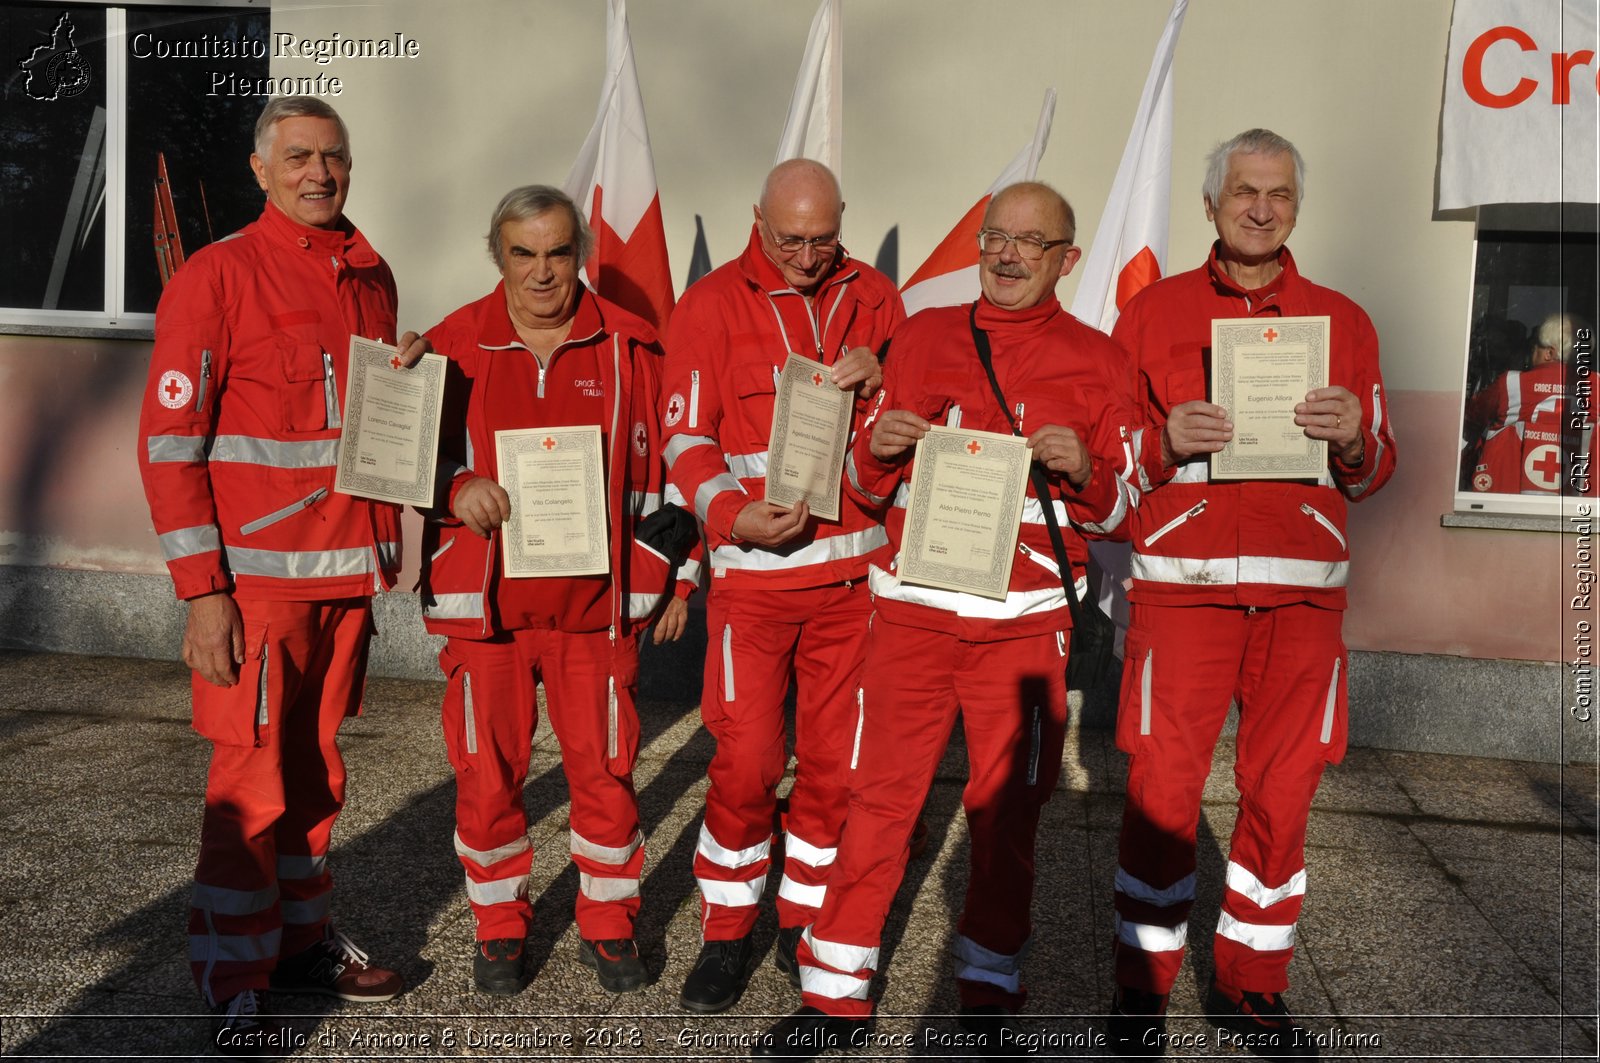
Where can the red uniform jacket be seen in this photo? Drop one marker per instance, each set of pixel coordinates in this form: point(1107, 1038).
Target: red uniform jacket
point(1058, 371)
point(239, 430)
point(461, 571)
point(1256, 542)
point(728, 338)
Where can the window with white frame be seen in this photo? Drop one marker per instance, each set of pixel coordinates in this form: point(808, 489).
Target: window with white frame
point(96, 97)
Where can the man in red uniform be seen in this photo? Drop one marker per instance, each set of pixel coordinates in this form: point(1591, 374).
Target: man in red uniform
point(932, 652)
point(1238, 593)
point(538, 352)
point(786, 597)
point(1516, 425)
point(238, 436)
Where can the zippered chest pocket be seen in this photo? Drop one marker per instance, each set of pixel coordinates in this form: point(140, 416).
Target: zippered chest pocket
point(1176, 522)
point(1327, 525)
point(310, 392)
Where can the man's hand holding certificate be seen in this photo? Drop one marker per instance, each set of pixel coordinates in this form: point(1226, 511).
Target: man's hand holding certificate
point(390, 440)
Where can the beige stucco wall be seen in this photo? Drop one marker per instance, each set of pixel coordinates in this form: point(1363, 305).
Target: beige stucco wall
point(939, 94)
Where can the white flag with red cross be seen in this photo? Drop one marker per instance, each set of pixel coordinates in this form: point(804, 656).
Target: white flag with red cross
point(1130, 243)
point(950, 274)
point(614, 181)
point(815, 126)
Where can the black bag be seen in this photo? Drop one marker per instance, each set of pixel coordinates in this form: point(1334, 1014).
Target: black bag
point(1094, 636)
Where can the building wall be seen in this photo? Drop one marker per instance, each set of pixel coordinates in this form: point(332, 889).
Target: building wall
point(939, 94)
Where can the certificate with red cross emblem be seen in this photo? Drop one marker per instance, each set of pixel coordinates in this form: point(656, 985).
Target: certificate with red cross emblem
point(389, 443)
point(810, 432)
point(965, 510)
point(1261, 368)
point(557, 486)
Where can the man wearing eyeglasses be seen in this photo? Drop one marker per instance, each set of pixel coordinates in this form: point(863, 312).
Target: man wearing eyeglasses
point(788, 600)
point(1000, 663)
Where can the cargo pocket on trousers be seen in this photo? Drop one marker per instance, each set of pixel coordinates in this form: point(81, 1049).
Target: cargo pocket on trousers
point(457, 716)
point(240, 715)
point(1135, 706)
point(1335, 715)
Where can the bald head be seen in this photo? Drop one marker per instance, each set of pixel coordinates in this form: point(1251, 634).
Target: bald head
point(801, 208)
point(1049, 207)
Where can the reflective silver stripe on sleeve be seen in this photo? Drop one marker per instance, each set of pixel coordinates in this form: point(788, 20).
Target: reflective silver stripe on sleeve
point(186, 542)
point(1357, 490)
point(183, 449)
point(642, 605)
point(1229, 571)
point(455, 607)
point(277, 453)
point(488, 857)
point(299, 564)
point(833, 548)
point(1033, 511)
point(855, 481)
point(748, 466)
point(674, 496)
point(677, 445)
point(711, 489)
point(1118, 513)
point(689, 571)
point(225, 901)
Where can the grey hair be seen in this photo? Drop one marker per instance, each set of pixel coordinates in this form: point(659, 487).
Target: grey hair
point(530, 201)
point(281, 107)
point(1556, 332)
point(1250, 142)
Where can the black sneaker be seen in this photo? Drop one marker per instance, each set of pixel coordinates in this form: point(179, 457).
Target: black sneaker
point(807, 1033)
point(243, 1032)
point(784, 953)
point(616, 962)
point(1264, 1019)
point(1138, 1023)
point(334, 967)
point(718, 977)
point(991, 1022)
point(499, 966)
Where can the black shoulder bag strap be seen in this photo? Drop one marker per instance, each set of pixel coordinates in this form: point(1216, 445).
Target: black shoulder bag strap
point(1041, 484)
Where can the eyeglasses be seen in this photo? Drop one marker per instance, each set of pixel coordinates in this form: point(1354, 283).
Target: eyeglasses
point(793, 245)
point(1031, 248)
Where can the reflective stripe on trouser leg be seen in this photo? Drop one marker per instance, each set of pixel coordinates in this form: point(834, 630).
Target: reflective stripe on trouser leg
point(1169, 717)
point(834, 976)
point(489, 751)
point(1295, 671)
point(827, 667)
point(1014, 711)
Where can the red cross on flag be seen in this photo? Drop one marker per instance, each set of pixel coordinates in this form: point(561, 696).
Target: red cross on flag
point(950, 274)
point(815, 126)
point(614, 178)
point(1129, 250)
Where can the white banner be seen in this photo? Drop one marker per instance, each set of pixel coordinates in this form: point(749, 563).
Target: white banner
point(1520, 104)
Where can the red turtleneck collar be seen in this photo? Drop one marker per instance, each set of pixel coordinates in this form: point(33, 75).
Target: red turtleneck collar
point(994, 319)
point(1219, 275)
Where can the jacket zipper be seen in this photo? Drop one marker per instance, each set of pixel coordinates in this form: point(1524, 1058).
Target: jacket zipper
point(1193, 511)
point(1039, 559)
point(205, 378)
point(694, 398)
point(330, 391)
point(437, 554)
point(287, 511)
point(1310, 511)
point(262, 697)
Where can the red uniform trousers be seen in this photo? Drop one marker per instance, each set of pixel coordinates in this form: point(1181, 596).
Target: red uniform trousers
point(490, 710)
point(1285, 667)
point(1013, 703)
point(757, 640)
point(275, 786)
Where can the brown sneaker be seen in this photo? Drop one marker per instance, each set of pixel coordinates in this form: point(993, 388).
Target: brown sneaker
point(334, 967)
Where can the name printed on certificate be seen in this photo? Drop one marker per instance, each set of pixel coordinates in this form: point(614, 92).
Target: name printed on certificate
point(558, 502)
point(1261, 368)
point(965, 510)
point(810, 432)
point(389, 445)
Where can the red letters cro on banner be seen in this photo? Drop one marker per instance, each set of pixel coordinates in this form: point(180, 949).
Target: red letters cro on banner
point(1561, 64)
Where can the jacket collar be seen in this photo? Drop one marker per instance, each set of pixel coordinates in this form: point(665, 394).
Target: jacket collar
point(1261, 295)
point(1002, 322)
point(764, 273)
point(344, 241)
point(497, 333)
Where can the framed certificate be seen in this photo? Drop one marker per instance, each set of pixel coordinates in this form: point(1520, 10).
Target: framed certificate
point(810, 430)
point(1261, 368)
point(390, 441)
point(557, 486)
point(965, 511)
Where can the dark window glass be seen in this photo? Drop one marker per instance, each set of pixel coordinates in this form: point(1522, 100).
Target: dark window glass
point(205, 138)
point(1528, 434)
point(52, 157)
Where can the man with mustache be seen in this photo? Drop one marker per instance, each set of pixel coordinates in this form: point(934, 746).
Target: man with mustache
point(1238, 595)
point(238, 439)
point(787, 600)
point(933, 652)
